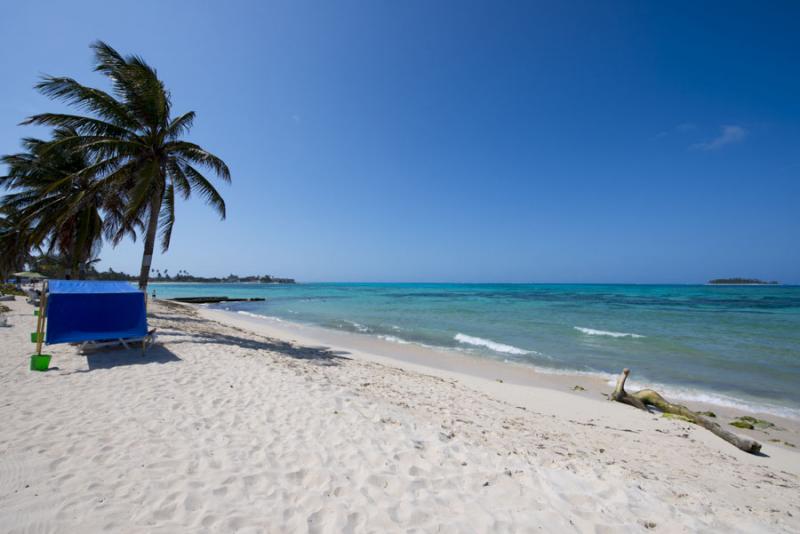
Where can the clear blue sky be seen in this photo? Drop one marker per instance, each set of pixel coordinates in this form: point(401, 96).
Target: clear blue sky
point(460, 141)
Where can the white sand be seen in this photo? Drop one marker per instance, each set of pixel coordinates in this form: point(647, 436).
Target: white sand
point(222, 430)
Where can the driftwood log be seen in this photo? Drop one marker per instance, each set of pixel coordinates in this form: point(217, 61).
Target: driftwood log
point(647, 397)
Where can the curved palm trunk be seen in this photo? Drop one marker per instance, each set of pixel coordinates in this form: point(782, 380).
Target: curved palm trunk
point(83, 246)
point(80, 248)
point(73, 261)
point(150, 241)
point(76, 254)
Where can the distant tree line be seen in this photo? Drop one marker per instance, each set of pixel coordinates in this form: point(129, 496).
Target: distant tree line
point(55, 267)
point(741, 281)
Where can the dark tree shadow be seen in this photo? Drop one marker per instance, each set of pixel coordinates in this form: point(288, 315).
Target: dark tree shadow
point(320, 355)
point(106, 359)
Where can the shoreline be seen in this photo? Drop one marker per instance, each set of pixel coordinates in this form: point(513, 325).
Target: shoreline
point(734, 362)
point(493, 374)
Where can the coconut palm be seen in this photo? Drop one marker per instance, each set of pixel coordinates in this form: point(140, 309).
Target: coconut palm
point(54, 265)
point(15, 242)
point(137, 144)
point(57, 201)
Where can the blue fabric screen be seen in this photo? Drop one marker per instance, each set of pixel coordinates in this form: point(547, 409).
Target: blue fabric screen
point(79, 310)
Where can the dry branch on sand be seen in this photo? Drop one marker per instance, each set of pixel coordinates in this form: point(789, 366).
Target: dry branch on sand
point(647, 397)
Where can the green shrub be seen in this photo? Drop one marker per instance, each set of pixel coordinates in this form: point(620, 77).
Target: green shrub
point(11, 289)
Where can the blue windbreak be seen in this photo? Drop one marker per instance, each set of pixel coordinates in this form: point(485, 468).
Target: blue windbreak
point(79, 310)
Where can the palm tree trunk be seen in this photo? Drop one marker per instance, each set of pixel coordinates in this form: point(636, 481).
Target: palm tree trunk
point(82, 269)
point(83, 246)
point(150, 241)
point(72, 260)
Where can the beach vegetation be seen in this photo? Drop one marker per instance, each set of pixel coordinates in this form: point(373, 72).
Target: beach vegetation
point(738, 423)
point(676, 416)
point(747, 421)
point(15, 242)
point(11, 289)
point(61, 210)
point(122, 161)
point(741, 281)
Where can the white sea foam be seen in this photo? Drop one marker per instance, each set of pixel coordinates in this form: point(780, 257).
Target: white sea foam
point(593, 332)
point(489, 344)
point(395, 339)
point(257, 316)
point(359, 327)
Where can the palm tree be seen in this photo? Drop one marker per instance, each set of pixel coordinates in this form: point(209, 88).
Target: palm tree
point(56, 266)
point(15, 242)
point(57, 201)
point(137, 143)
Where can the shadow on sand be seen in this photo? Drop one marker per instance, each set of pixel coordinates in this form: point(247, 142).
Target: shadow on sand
point(320, 355)
point(187, 319)
point(106, 359)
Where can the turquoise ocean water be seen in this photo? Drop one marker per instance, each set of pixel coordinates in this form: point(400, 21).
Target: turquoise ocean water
point(729, 345)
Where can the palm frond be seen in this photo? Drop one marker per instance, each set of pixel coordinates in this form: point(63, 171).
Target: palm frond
point(145, 186)
point(90, 99)
point(197, 155)
point(166, 218)
point(178, 178)
point(82, 125)
point(180, 125)
point(201, 184)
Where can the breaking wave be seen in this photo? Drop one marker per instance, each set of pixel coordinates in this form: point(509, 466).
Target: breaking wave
point(395, 339)
point(593, 332)
point(489, 344)
point(259, 316)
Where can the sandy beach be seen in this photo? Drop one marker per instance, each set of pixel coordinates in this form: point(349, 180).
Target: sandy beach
point(231, 424)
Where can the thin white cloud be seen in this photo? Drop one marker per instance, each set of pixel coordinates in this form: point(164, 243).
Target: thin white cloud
point(730, 134)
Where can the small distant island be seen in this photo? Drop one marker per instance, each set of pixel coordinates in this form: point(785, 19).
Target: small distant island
point(741, 282)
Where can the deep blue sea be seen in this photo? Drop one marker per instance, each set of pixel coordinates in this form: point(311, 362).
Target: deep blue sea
point(732, 345)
